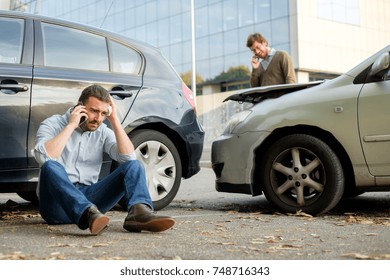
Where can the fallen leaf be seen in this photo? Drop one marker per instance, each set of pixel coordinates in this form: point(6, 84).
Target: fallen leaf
point(357, 256)
point(61, 245)
point(54, 228)
point(15, 256)
point(292, 246)
point(257, 242)
point(367, 257)
point(285, 247)
point(228, 243)
point(300, 213)
point(100, 245)
point(273, 237)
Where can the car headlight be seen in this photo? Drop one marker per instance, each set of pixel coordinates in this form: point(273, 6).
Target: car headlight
point(236, 120)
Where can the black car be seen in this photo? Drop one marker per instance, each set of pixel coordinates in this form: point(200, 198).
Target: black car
point(44, 65)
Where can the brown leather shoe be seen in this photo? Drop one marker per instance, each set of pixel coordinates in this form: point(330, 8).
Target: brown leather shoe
point(141, 217)
point(96, 220)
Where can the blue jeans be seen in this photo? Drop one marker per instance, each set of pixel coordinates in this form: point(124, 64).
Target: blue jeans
point(62, 202)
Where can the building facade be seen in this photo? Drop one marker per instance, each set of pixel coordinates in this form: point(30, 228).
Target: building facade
point(324, 37)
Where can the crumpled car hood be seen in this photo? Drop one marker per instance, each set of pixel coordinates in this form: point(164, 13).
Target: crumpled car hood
point(258, 94)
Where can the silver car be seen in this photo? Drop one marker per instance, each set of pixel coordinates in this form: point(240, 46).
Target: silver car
point(305, 146)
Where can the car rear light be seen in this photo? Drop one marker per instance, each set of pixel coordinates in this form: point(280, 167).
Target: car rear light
point(188, 95)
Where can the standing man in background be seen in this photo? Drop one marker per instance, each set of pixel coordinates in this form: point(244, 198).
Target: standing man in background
point(269, 67)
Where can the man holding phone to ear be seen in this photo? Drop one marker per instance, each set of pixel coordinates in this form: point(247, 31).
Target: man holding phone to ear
point(269, 67)
point(70, 150)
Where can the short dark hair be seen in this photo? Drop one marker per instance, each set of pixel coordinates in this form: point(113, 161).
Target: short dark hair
point(255, 37)
point(95, 91)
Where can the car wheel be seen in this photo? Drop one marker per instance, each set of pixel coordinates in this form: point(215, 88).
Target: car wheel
point(162, 165)
point(301, 172)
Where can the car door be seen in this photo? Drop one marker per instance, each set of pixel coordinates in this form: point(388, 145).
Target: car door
point(374, 125)
point(68, 59)
point(15, 84)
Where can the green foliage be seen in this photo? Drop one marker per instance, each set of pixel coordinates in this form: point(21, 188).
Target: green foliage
point(187, 78)
point(237, 73)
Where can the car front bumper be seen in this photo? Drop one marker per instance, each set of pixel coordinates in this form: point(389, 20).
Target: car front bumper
point(233, 161)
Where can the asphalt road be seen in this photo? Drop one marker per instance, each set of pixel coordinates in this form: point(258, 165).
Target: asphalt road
point(209, 226)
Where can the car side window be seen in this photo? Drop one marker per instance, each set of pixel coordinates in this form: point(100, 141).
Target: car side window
point(73, 48)
point(125, 59)
point(11, 40)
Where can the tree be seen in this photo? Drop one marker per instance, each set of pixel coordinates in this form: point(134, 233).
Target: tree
point(187, 78)
point(237, 73)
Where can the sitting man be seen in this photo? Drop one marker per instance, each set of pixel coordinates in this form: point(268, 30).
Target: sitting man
point(70, 149)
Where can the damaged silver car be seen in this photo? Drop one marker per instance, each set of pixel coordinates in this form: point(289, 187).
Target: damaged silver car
point(305, 146)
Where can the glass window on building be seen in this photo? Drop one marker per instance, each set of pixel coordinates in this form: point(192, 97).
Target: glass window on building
point(216, 66)
point(187, 54)
point(279, 8)
point(201, 22)
point(216, 45)
point(230, 15)
point(202, 48)
point(151, 32)
point(176, 29)
point(176, 49)
point(215, 18)
point(341, 11)
point(162, 9)
point(280, 30)
point(231, 44)
point(11, 43)
point(221, 26)
point(72, 48)
point(163, 33)
point(246, 12)
point(262, 10)
point(186, 27)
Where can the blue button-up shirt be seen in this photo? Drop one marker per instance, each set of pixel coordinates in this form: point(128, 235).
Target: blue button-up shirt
point(82, 156)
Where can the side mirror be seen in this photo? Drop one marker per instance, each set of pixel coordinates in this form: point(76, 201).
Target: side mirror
point(380, 66)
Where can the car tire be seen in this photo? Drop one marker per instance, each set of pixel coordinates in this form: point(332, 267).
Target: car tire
point(301, 172)
point(162, 165)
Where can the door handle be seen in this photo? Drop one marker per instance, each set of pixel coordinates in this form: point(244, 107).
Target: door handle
point(13, 88)
point(122, 93)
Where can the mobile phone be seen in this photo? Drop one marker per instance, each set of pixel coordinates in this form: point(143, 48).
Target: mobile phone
point(83, 118)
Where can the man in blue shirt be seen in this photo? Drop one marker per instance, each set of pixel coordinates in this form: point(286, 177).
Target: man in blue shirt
point(70, 150)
